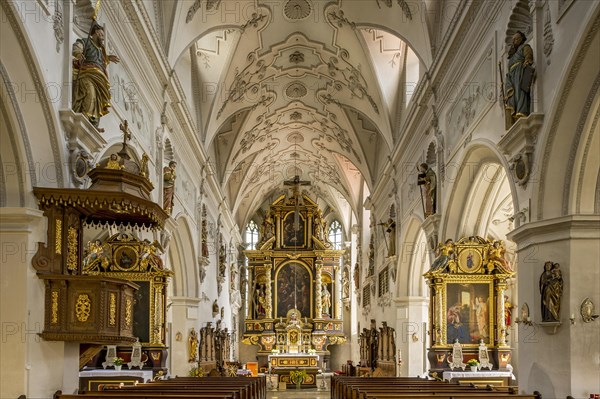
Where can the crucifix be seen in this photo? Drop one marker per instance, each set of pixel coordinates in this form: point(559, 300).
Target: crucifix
point(296, 183)
point(124, 127)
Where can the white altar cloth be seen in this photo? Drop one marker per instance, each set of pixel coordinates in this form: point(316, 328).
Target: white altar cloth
point(145, 374)
point(448, 375)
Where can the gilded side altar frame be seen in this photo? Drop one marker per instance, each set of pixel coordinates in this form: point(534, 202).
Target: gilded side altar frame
point(470, 267)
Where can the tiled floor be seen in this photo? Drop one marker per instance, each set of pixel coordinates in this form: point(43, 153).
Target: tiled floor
point(299, 394)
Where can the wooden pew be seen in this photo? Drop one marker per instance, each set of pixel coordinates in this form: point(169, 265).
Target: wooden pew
point(184, 387)
point(393, 387)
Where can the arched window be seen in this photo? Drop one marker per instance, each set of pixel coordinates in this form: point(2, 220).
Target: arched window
point(251, 235)
point(335, 234)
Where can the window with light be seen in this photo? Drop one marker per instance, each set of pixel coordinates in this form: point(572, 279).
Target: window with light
point(251, 235)
point(335, 234)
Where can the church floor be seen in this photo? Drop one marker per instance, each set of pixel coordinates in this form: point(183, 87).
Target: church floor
point(299, 394)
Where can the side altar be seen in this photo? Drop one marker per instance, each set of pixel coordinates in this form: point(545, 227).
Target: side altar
point(467, 284)
point(294, 303)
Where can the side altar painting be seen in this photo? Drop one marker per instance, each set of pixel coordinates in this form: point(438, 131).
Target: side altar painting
point(295, 285)
point(468, 280)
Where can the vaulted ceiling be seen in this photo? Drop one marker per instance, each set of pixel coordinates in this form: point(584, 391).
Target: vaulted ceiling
point(296, 87)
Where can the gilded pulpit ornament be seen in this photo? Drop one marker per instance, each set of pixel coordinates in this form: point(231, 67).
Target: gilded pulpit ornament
point(83, 307)
point(551, 289)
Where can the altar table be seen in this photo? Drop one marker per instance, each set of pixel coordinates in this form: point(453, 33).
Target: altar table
point(480, 378)
point(90, 379)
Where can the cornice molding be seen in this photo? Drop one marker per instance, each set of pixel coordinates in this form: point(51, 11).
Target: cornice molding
point(564, 228)
point(19, 220)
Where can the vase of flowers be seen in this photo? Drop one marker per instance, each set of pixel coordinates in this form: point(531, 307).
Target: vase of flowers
point(118, 362)
point(297, 377)
point(474, 364)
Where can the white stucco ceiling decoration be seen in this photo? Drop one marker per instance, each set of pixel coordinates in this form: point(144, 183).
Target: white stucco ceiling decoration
point(308, 87)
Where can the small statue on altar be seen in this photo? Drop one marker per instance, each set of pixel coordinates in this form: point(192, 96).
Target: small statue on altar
point(445, 256)
point(325, 300)
point(193, 346)
point(508, 307)
point(497, 258)
point(319, 228)
point(259, 301)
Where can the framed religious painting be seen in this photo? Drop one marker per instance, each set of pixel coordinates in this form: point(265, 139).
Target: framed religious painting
point(294, 234)
point(469, 312)
point(293, 289)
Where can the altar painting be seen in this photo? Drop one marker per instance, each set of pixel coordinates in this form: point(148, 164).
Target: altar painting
point(293, 237)
point(293, 289)
point(468, 313)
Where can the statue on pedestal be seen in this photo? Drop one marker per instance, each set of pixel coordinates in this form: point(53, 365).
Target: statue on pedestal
point(91, 87)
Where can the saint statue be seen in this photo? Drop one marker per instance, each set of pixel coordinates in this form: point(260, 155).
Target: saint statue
point(427, 179)
point(319, 228)
point(169, 177)
point(204, 233)
point(496, 257)
point(356, 276)
point(551, 288)
point(445, 256)
point(508, 307)
point(519, 77)
point(390, 228)
point(325, 300)
point(91, 87)
point(193, 346)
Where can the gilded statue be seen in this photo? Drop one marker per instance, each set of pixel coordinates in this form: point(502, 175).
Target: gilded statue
point(149, 255)
point(519, 77)
point(551, 289)
point(169, 176)
point(497, 257)
point(96, 253)
point(445, 259)
point(91, 87)
point(428, 180)
point(193, 346)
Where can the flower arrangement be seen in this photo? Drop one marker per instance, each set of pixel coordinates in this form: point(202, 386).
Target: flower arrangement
point(472, 363)
point(275, 351)
point(298, 376)
point(312, 351)
point(118, 361)
point(197, 372)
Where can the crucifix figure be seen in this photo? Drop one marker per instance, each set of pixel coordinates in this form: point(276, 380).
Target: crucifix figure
point(296, 183)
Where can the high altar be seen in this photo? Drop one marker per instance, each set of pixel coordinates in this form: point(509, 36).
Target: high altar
point(467, 288)
point(295, 307)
